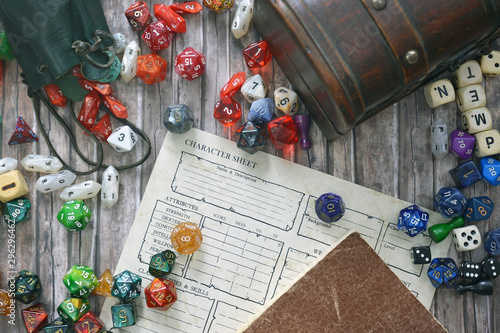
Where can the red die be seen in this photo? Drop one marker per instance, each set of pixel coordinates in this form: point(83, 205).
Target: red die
point(77, 72)
point(55, 94)
point(160, 294)
point(191, 7)
point(158, 36)
point(101, 88)
point(227, 111)
point(89, 323)
point(171, 18)
point(114, 105)
point(190, 64)
point(89, 109)
point(233, 85)
point(138, 15)
point(35, 318)
point(257, 54)
point(102, 130)
point(282, 132)
point(151, 68)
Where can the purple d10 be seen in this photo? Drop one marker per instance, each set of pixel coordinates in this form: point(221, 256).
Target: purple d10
point(490, 170)
point(492, 242)
point(450, 202)
point(303, 123)
point(466, 174)
point(462, 144)
point(443, 272)
point(330, 207)
point(261, 111)
point(412, 220)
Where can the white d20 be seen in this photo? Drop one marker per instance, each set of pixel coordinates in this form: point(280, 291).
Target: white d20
point(254, 88)
point(439, 138)
point(41, 163)
point(8, 164)
point(81, 191)
point(55, 181)
point(466, 238)
point(286, 100)
point(123, 139)
point(129, 61)
point(242, 18)
point(110, 186)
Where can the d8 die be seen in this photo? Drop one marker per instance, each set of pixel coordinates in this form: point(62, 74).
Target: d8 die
point(487, 143)
point(286, 100)
point(41, 163)
point(412, 220)
point(123, 315)
point(450, 202)
point(81, 191)
point(110, 186)
point(178, 118)
point(490, 267)
point(439, 138)
point(421, 255)
point(439, 92)
point(190, 64)
point(242, 18)
point(161, 264)
point(478, 209)
point(254, 88)
point(186, 238)
point(138, 16)
point(443, 272)
point(35, 318)
point(80, 281)
point(471, 97)
point(151, 68)
point(250, 138)
point(55, 181)
point(466, 174)
point(129, 61)
point(462, 144)
point(261, 111)
point(490, 64)
point(282, 132)
point(8, 164)
point(126, 286)
point(466, 238)
point(73, 309)
point(468, 73)
point(257, 55)
point(173, 20)
point(219, 6)
point(12, 186)
point(123, 139)
point(89, 323)
point(102, 130)
point(227, 111)
point(476, 120)
point(27, 287)
point(490, 170)
point(470, 271)
point(74, 215)
point(233, 85)
point(160, 294)
point(492, 242)
point(17, 210)
point(329, 207)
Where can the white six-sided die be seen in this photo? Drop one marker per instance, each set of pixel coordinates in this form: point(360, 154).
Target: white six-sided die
point(8, 164)
point(254, 88)
point(242, 18)
point(110, 186)
point(123, 139)
point(55, 181)
point(81, 191)
point(41, 163)
point(471, 97)
point(286, 100)
point(129, 61)
point(466, 238)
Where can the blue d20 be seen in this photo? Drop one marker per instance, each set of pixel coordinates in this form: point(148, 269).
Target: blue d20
point(250, 138)
point(329, 207)
point(490, 170)
point(450, 202)
point(126, 286)
point(443, 272)
point(478, 209)
point(492, 242)
point(178, 118)
point(261, 111)
point(466, 174)
point(412, 220)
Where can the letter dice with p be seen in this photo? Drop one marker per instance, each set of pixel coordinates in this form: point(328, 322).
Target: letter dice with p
point(190, 64)
point(80, 281)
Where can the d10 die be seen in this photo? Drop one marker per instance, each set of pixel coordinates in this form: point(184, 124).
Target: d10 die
point(41, 163)
point(138, 15)
point(186, 238)
point(102, 130)
point(80, 281)
point(471, 97)
point(74, 215)
point(178, 118)
point(158, 36)
point(487, 143)
point(450, 202)
point(490, 64)
point(466, 174)
point(57, 326)
point(227, 111)
point(110, 186)
point(173, 20)
point(257, 55)
point(12, 186)
point(27, 287)
point(490, 170)
point(55, 95)
point(123, 315)
point(492, 242)
point(443, 272)
point(161, 264)
point(89, 323)
point(462, 144)
point(89, 109)
point(115, 106)
point(478, 209)
point(8, 164)
point(250, 138)
point(439, 232)
point(219, 6)
point(104, 284)
point(55, 181)
point(468, 73)
point(73, 309)
point(466, 238)
point(102, 89)
point(490, 267)
point(233, 85)
point(129, 61)
point(151, 68)
point(123, 139)
point(261, 111)
point(476, 120)
point(35, 318)
point(421, 255)
point(17, 210)
point(282, 132)
point(242, 18)
point(412, 220)
point(190, 7)
point(254, 88)
point(439, 92)
point(470, 271)
point(81, 191)
point(439, 138)
point(190, 64)
point(286, 100)
point(160, 294)
point(126, 286)
point(329, 207)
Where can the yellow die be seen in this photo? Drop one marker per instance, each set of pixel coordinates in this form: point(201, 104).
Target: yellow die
point(487, 143)
point(12, 186)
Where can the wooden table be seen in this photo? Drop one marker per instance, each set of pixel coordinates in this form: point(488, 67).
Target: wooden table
point(389, 153)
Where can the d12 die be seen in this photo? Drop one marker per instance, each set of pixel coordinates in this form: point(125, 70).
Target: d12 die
point(12, 186)
point(178, 118)
point(421, 255)
point(126, 286)
point(55, 95)
point(160, 294)
point(477, 120)
point(115, 106)
point(41, 163)
point(35, 318)
point(303, 123)
point(81, 191)
point(173, 20)
point(286, 100)
point(161, 264)
point(190, 64)
point(490, 63)
point(487, 143)
point(129, 61)
point(233, 85)
point(329, 207)
point(8, 164)
point(219, 6)
point(157, 36)
point(27, 287)
point(470, 271)
point(55, 181)
point(466, 174)
point(462, 144)
point(254, 88)
point(478, 209)
point(492, 242)
point(186, 238)
point(250, 138)
point(450, 202)
point(110, 186)
point(443, 272)
point(138, 15)
point(412, 220)
point(439, 138)
point(89, 109)
point(227, 111)
point(439, 232)
point(490, 267)
point(74, 215)
point(123, 139)
point(89, 323)
point(490, 170)
point(73, 309)
point(468, 73)
point(80, 281)
point(151, 68)
point(104, 284)
point(261, 111)
point(57, 326)
point(242, 18)
point(257, 55)
point(282, 132)
point(439, 92)
point(471, 97)
point(17, 210)
point(466, 238)
point(123, 315)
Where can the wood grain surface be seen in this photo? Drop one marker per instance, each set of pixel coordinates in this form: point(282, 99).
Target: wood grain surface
point(389, 153)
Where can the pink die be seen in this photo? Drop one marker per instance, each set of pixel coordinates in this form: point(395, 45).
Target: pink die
point(190, 64)
point(158, 36)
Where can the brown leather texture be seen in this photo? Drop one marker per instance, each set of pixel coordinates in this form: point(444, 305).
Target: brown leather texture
point(350, 290)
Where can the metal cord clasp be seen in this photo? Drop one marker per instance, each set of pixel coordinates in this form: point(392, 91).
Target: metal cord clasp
point(84, 49)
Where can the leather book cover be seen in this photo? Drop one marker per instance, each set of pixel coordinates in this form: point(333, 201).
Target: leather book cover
point(348, 289)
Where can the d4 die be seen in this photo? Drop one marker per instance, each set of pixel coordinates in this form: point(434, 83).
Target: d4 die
point(123, 139)
point(466, 238)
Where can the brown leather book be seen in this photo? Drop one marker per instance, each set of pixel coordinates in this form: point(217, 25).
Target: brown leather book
point(349, 289)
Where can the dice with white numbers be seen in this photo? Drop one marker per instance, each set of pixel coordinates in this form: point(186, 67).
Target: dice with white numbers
point(129, 61)
point(123, 139)
point(466, 238)
point(487, 143)
point(81, 191)
point(254, 88)
point(477, 120)
point(242, 18)
point(8, 164)
point(55, 181)
point(490, 64)
point(110, 186)
point(471, 97)
point(468, 73)
point(286, 100)
point(439, 92)
point(41, 163)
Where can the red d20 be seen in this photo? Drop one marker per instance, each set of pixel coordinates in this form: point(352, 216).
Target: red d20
point(190, 64)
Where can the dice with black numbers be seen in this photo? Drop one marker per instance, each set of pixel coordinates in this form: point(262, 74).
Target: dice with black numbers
point(466, 238)
point(421, 255)
point(490, 267)
point(254, 88)
point(470, 271)
point(123, 139)
point(126, 286)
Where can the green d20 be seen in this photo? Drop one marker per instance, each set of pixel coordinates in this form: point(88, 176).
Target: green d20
point(28, 287)
point(5, 49)
point(73, 309)
point(123, 315)
point(74, 215)
point(80, 281)
point(162, 263)
point(17, 210)
point(56, 326)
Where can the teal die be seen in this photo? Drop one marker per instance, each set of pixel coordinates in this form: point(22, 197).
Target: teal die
point(27, 286)
point(162, 263)
point(126, 286)
point(123, 315)
point(57, 326)
point(478, 209)
point(80, 281)
point(17, 210)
